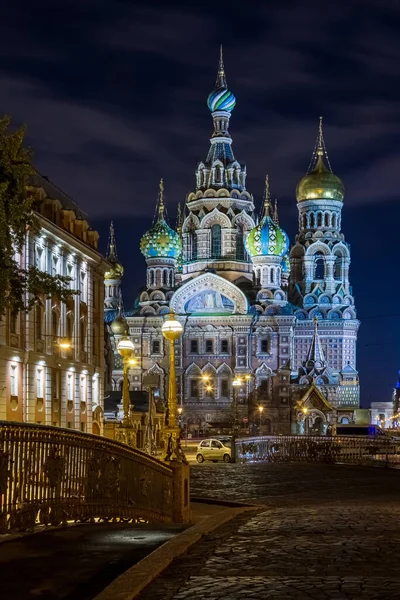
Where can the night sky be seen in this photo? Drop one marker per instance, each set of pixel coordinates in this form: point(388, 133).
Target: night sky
point(114, 97)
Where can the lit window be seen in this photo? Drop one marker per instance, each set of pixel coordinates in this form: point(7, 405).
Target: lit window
point(39, 382)
point(83, 287)
point(14, 380)
point(83, 388)
point(70, 386)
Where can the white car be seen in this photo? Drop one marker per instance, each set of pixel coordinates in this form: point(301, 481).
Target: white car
point(213, 449)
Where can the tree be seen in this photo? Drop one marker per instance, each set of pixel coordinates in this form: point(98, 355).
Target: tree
point(20, 288)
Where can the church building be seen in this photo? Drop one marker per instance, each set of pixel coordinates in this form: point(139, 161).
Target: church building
point(278, 319)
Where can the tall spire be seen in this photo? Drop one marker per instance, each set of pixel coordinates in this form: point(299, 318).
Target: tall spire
point(320, 154)
point(179, 219)
point(221, 78)
point(267, 197)
point(112, 249)
point(161, 201)
point(276, 217)
point(315, 353)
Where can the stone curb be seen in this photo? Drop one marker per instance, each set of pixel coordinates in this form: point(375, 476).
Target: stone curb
point(129, 585)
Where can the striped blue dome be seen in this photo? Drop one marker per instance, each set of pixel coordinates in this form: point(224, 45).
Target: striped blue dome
point(221, 99)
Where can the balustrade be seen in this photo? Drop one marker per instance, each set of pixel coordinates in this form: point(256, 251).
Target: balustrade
point(51, 476)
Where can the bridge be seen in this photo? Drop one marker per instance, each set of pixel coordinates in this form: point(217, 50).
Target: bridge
point(52, 476)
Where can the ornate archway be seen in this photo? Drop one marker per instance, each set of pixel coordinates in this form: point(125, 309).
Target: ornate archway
point(209, 294)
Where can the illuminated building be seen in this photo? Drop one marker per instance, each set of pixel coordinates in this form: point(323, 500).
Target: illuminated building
point(282, 319)
point(52, 357)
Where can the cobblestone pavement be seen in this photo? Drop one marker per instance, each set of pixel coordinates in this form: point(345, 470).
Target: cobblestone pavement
point(319, 532)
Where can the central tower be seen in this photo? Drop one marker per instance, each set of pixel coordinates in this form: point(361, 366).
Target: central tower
point(221, 210)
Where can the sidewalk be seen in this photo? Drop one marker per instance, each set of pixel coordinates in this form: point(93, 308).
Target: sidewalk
point(78, 562)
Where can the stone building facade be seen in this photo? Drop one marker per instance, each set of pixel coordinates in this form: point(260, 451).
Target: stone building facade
point(40, 381)
point(280, 319)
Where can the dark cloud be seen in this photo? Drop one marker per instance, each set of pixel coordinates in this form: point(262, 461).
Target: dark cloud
point(114, 95)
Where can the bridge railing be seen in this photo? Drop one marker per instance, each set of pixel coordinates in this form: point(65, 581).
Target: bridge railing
point(301, 448)
point(50, 476)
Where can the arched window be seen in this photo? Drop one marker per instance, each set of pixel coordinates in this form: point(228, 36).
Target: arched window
point(319, 220)
point(319, 266)
point(304, 221)
point(334, 221)
point(326, 219)
point(38, 321)
point(94, 341)
point(54, 323)
point(70, 325)
point(216, 241)
point(312, 225)
point(151, 277)
point(337, 268)
point(165, 278)
point(82, 334)
point(13, 321)
point(192, 245)
point(272, 275)
point(241, 253)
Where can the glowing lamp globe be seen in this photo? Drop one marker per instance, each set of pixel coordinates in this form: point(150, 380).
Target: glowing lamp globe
point(125, 347)
point(171, 328)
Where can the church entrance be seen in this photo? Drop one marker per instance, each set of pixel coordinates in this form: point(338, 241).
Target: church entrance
point(317, 427)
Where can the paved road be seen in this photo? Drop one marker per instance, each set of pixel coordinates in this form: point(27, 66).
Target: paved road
point(321, 532)
point(74, 563)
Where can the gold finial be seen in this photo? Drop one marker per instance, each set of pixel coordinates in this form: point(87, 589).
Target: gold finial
point(221, 79)
point(112, 250)
point(267, 197)
point(161, 205)
point(276, 218)
point(320, 147)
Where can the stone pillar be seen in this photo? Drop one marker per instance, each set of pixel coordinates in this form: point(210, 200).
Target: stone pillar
point(181, 512)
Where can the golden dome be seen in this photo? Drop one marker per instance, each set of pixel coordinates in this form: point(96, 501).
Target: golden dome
point(321, 183)
point(119, 326)
point(116, 271)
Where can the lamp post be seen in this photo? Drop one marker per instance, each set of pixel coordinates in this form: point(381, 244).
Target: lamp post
point(125, 349)
point(172, 331)
point(236, 383)
point(260, 408)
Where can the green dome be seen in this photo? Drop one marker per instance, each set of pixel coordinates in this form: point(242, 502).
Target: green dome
point(321, 183)
point(267, 239)
point(161, 242)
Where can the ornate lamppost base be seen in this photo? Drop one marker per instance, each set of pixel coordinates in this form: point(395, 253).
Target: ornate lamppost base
point(126, 434)
point(173, 449)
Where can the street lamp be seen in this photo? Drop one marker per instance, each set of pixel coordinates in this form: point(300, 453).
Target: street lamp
point(125, 349)
point(172, 331)
point(236, 383)
point(260, 408)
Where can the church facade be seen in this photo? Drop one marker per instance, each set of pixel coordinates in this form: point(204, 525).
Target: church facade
point(278, 319)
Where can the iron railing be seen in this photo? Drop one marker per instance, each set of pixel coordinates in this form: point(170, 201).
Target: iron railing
point(50, 476)
point(301, 448)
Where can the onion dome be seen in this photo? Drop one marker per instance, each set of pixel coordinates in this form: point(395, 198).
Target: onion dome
point(120, 325)
point(320, 182)
point(267, 238)
point(161, 241)
point(117, 270)
point(221, 98)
